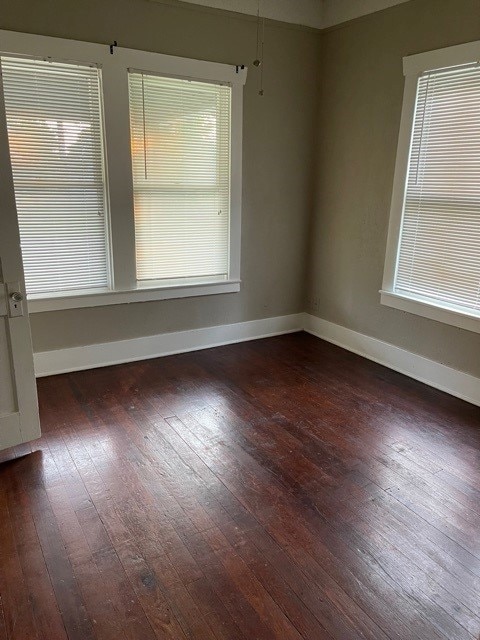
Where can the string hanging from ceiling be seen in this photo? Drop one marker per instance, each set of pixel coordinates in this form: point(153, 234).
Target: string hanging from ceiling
point(259, 59)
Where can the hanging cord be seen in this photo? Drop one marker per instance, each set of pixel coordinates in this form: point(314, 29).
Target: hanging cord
point(261, 92)
point(144, 129)
point(257, 54)
point(422, 130)
point(258, 62)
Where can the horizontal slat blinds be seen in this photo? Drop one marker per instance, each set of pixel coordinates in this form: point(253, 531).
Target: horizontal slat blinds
point(180, 138)
point(55, 137)
point(439, 253)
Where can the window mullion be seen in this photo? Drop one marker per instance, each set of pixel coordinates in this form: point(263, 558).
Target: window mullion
point(120, 184)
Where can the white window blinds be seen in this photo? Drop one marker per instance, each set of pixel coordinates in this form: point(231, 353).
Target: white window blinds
point(180, 139)
point(439, 252)
point(55, 136)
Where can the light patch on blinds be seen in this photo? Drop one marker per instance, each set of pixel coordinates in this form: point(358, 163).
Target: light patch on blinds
point(439, 253)
point(180, 139)
point(56, 146)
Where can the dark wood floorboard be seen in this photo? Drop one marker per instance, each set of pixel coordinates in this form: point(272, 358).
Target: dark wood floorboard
point(276, 489)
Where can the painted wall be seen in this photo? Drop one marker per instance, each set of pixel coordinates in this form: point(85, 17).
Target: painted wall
point(360, 106)
point(353, 132)
point(279, 131)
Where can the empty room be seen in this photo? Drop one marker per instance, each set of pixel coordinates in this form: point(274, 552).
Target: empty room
point(240, 320)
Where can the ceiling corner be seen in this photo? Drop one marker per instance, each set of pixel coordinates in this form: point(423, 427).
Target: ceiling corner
point(319, 14)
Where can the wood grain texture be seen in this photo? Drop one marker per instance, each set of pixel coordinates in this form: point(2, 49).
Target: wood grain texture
point(277, 489)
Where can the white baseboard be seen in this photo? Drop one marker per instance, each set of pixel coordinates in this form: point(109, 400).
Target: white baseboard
point(456, 383)
point(459, 384)
point(48, 363)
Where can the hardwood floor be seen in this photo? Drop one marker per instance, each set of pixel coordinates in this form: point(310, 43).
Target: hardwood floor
point(277, 489)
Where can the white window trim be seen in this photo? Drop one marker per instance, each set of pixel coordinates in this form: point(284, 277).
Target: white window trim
point(413, 67)
point(141, 294)
point(124, 286)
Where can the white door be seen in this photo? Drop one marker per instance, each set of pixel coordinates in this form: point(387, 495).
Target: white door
point(19, 421)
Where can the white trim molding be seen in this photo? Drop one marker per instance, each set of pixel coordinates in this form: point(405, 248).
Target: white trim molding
point(437, 375)
point(456, 383)
point(441, 58)
point(91, 356)
point(441, 311)
point(142, 294)
point(428, 309)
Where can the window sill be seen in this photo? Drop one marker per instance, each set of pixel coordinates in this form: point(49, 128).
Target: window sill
point(142, 294)
point(428, 309)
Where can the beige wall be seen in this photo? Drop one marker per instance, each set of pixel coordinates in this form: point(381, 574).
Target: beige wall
point(278, 157)
point(362, 86)
point(360, 65)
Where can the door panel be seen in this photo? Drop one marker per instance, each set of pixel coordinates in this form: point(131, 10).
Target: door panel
point(7, 396)
point(19, 421)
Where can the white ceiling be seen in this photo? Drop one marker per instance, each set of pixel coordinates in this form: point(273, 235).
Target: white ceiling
point(306, 12)
point(337, 11)
point(312, 13)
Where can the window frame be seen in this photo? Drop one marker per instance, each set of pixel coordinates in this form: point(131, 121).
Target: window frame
point(114, 67)
point(140, 83)
point(106, 213)
point(413, 67)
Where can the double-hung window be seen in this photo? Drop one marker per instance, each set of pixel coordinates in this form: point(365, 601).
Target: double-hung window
point(181, 177)
point(433, 254)
point(127, 171)
point(55, 136)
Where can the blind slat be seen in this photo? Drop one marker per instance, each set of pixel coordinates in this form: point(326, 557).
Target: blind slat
point(180, 140)
point(439, 251)
point(55, 136)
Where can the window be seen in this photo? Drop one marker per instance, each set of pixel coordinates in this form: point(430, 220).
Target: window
point(55, 137)
point(127, 183)
point(180, 132)
point(433, 260)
